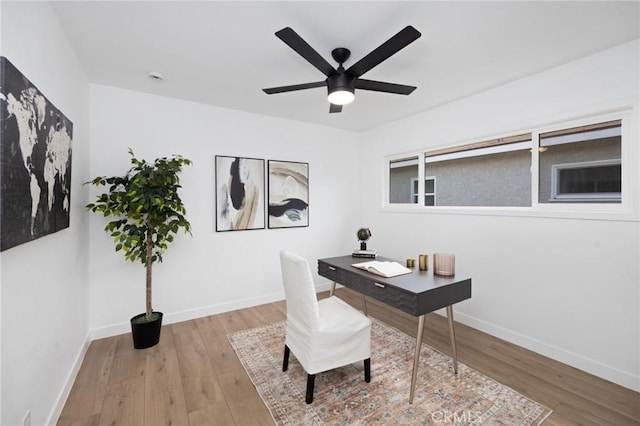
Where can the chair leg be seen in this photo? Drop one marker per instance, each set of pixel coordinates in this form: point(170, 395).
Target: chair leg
point(285, 361)
point(367, 370)
point(311, 378)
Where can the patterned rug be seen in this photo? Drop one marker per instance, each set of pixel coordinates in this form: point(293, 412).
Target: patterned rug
point(342, 397)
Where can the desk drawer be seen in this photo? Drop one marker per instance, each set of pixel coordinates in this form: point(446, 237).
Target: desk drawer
point(371, 287)
point(337, 275)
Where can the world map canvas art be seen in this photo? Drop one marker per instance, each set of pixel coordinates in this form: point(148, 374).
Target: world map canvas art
point(35, 161)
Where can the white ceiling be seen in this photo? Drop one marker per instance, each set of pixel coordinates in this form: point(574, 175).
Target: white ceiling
point(224, 52)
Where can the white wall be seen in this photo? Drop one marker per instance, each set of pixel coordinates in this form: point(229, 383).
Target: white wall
point(45, 282)
point(566, 288)
point(212, 271)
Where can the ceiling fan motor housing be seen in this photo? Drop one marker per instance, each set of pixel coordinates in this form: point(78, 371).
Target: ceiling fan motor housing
point(341, 81)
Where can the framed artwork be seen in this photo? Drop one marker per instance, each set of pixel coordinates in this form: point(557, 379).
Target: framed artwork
point(239, 193)
point(288, 194)
point(35, 161)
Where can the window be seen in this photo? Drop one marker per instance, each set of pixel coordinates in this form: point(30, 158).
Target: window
point(489, 173)
point(429, 190)
point(581, 164)
point(402, 172)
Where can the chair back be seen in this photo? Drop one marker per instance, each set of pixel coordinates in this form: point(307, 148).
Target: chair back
point(300, 293)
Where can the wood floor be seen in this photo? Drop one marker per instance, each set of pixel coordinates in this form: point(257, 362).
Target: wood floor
point(193, 377)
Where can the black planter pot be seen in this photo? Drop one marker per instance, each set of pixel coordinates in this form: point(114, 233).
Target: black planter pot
point(146, 334)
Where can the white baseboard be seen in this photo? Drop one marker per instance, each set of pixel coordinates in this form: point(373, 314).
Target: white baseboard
point(573, 359)
point(174, 317)
point(68, 383)
point(171, 318)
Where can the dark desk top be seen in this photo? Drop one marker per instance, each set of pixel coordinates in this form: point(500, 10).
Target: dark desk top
point(416, 293)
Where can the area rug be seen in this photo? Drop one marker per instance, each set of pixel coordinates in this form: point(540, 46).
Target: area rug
point(342, 397)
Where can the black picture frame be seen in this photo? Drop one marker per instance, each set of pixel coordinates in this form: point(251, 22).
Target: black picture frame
point(239, 186)
point(288, 194)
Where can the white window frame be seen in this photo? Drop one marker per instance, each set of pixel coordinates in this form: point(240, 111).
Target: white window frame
point(519, 146)
point(628, 209)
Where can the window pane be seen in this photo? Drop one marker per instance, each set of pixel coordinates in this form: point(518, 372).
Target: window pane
point(595, 179)
point(497, 179)
point(429, 200)
point(429, 186)
point(401, 187)
point(581, 166)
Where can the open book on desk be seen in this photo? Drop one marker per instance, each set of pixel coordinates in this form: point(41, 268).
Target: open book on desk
point(384, 269)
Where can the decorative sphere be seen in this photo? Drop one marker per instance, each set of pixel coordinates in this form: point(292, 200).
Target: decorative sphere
point(364, 234)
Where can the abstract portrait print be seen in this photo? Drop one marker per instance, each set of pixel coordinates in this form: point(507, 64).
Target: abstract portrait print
point(35, 161)
point(288, 194)
point(239, 193)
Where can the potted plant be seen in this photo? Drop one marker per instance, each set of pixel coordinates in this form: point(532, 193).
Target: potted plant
point(147, 212)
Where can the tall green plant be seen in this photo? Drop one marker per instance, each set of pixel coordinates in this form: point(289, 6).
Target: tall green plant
point(147, 209)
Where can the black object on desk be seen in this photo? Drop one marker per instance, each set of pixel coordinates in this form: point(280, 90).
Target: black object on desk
point(417, 294)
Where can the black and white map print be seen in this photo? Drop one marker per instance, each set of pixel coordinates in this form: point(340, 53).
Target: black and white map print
point(35, 161)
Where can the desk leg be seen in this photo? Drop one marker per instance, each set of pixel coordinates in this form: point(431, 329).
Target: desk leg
point(332, 290)
point(452, 336)
point(416, 357)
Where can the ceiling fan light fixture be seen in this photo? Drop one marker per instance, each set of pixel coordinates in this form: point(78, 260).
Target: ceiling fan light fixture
point(341, 96)
point(341, 88)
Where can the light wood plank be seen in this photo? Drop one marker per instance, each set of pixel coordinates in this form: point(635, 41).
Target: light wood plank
point(124, 403)
point(232, 322)
point(124, 345)
point(217, 413)
point(93, 420)
point(164, 396)
point(127, 367)
point(273, 312)
point(182, 327)
point(243, 400)
point(199, 381)
point(222, 356)
point(88, 392)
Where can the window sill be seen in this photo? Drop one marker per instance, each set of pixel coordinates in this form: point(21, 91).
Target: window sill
point(610, 212)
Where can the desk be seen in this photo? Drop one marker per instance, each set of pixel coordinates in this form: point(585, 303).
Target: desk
point(417, 294)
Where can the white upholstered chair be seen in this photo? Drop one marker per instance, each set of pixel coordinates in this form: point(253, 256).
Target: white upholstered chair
point(324, 334)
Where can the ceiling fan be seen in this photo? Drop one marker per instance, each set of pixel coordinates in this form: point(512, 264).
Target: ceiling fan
point(341, 83)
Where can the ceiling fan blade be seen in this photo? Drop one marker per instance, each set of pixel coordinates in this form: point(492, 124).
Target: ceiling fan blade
point(281, 89)
point(399, 41)
point(381, 86)
point(294, 41)
point(334, 108)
